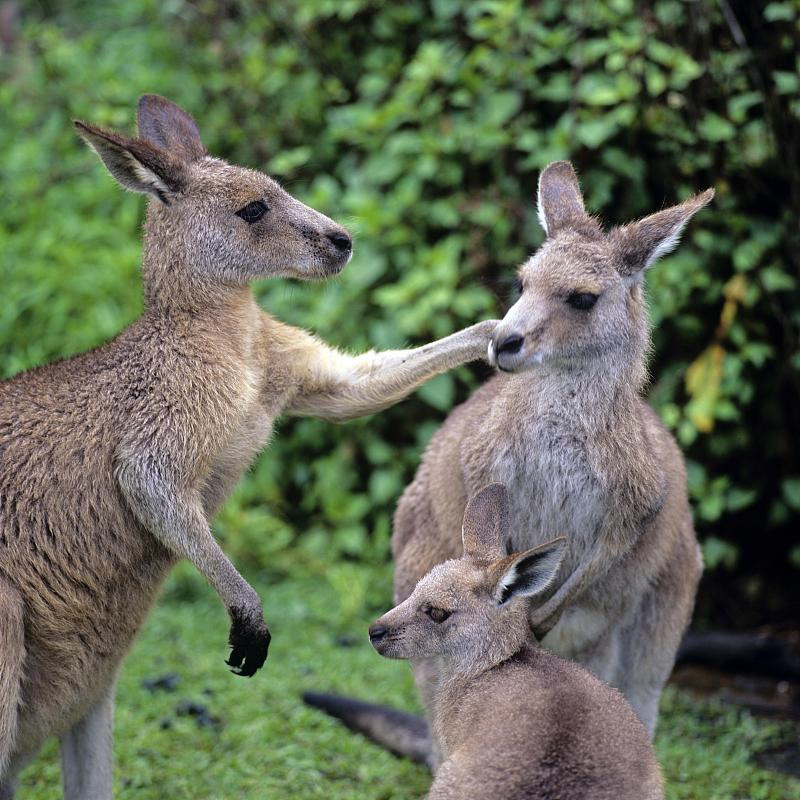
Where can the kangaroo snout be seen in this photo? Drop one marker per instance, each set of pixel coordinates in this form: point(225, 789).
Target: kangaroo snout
point(511, 344)
point(339, 246)
point(377, 634)
point(341, 241)
point(505, 349)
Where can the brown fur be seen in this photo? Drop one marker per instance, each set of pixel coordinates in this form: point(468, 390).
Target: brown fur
point(565, 427)
point(112, 463)
point(512, 721)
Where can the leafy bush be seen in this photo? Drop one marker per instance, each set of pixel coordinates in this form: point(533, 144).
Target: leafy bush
point(423, 126)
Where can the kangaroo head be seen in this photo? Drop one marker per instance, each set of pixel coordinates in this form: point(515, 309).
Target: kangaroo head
point(212, 224)
point(473, 611)
point(581, 292)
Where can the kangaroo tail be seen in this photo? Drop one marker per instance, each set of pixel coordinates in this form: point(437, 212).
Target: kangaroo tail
point(403, 734)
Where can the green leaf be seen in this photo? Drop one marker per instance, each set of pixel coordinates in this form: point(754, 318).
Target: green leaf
point(438, 392)
point(790, 489)
point(716, 128)
point(786, 82)
point(780, 12)
point(717, 552)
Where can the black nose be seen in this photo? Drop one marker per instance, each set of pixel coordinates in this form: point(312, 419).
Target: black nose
point(341, 241)
point(377, 633)
point(511, 344)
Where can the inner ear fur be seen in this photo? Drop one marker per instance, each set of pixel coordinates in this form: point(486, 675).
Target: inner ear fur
point(137, 165)
point(486, 523)
point(560, 202)
point(528, 573)
point(640, 244)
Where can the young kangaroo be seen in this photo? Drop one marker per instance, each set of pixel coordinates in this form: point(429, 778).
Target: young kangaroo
point(564, 426)
point(512, 720)
point(113, 462)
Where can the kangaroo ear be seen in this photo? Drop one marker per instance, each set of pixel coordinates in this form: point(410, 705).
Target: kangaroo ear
point(486, 523)
point(529, 573)
point(169, 127)
point(560, 202)
point(136, 164)
point(640, 244)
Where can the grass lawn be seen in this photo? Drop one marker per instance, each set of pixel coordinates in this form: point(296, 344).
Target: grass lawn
point(267, 745)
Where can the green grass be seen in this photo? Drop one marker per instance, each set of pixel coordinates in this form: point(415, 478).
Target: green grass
point(270, 746)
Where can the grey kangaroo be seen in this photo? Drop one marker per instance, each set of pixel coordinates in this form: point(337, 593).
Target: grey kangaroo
point(113, 462)
point(513, 721)
point(564, 426)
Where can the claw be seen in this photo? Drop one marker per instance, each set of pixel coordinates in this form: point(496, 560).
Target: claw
point(249, 640)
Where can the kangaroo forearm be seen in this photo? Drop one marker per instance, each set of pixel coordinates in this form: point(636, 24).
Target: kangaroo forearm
point(373, 381)
point(177, 522)
point(601, 559)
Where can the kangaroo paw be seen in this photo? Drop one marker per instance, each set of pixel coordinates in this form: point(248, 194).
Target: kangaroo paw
point(249, 640)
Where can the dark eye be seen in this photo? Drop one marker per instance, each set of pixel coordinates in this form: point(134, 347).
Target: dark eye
point(437, 614)
point(252, 212)
point(518, 287)
point(583, 301)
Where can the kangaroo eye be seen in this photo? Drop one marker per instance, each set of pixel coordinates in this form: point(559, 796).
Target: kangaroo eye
point(518, 287)
point(582, 301)
point(252, 212)
point(437, 614)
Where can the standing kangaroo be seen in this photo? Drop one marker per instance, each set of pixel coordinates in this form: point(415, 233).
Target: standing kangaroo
point(513, 721)
point(564, 427)
point(113, 462)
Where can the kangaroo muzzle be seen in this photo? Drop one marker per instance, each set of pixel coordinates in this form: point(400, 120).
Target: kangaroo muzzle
point(505, 349)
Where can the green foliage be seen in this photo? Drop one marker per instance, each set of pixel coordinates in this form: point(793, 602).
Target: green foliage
point(423, 126)
point(271, 747)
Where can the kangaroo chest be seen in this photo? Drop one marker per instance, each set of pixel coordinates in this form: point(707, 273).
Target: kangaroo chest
point(546, 461)
point(553, 488)
point(262, 400)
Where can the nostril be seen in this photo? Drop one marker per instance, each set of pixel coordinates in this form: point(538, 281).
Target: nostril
point(341, 241)
point(377, 633)
point(511, 344)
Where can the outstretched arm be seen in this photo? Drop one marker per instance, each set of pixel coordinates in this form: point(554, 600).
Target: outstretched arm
point(339, 387)
point(175, 517)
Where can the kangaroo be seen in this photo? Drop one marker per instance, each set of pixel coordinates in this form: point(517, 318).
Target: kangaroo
point(513, 721)
point(564, 426)
point(113, 462)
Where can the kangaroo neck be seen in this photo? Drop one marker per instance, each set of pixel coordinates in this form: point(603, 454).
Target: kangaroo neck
point(462, 696)
point(595, 392)
point(172, 283)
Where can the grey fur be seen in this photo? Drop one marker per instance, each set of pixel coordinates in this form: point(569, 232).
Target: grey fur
point(113, 462)
point(565, 428)
point(512, 721)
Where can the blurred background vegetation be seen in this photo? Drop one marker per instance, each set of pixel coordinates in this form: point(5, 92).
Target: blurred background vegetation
point(422, 126)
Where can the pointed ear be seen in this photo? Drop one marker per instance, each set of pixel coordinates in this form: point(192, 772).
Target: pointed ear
point(640, 244)
point(560, 202)
point(136, 164)
point(486, 522)
point(529, 573)
point(169, 127)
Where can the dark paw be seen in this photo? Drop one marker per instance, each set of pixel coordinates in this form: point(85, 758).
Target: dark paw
point(249, 641)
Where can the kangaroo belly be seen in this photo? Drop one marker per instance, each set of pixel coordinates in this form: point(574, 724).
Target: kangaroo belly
point(87, 574)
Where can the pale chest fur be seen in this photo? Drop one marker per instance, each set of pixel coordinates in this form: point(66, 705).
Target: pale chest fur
point(260, 396)
point(249, 433)
point(540, 452)
point(568, 466)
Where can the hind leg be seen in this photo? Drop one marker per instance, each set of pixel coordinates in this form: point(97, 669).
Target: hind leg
point(86, 752)
point(12, 657)
point(649, 644)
